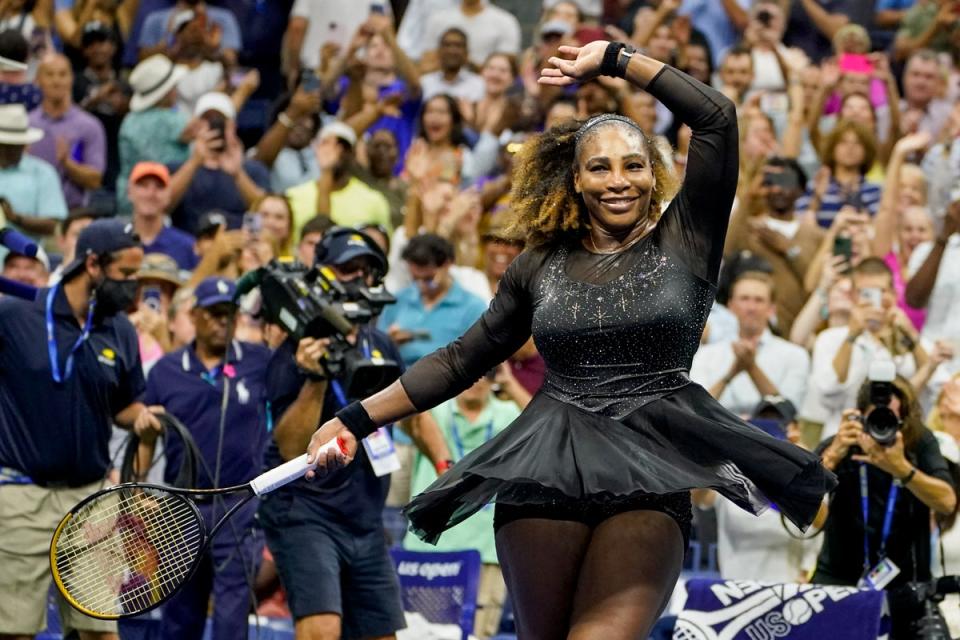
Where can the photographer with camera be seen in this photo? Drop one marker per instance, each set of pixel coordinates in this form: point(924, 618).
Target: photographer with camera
point(891, 476)
point(327, 535)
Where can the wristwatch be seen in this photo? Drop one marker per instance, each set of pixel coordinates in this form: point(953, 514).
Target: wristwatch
point(624, 60)
point(793, 252)
point(907, 478)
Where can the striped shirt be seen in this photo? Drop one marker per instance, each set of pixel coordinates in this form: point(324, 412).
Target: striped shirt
point(867, 196)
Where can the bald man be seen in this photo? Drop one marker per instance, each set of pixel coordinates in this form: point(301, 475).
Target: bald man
point(74, 141)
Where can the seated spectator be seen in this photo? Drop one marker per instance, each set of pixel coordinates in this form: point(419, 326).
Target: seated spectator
point(74, 141)
point(219, 30)
point(33, 271)
point(276, 222)
point(848, 154)
point(489, 29)
point(877, 329)
point(99, 90)
point(499, 74)
point(740, 373)
point(32, 200)
point(561, 111)
point(922, 107)
point(153, 130)
point(466, 422)
point(15, 86)
point(338, 193)
point(310, 234)
point(149, 193)
point(216, 175)
point(777, 235)
point(453, 78)
point(67, 232)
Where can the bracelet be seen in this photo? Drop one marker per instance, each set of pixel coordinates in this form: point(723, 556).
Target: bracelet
point(357, 420)
point(443, 466)
point(610, 59)
point(906, 479)
point(285, 120)
point(623, 60)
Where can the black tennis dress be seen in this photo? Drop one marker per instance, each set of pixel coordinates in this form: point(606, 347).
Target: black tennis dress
point(618, 421)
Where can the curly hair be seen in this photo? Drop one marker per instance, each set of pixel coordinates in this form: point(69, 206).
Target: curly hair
point(866, 138)
point(545, 207)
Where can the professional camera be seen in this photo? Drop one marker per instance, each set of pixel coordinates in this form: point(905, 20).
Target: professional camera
point(881, 423)
point(313, 303)
point(924, 598)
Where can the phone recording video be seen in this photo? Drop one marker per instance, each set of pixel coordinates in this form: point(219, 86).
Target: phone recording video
point(252, 223)
point(151, 298)
point(217, 123)
point(309, 80)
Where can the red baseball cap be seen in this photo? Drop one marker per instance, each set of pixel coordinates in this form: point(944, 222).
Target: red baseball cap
point(143, 169)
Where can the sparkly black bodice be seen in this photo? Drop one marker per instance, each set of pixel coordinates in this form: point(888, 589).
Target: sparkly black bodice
point(612, 347)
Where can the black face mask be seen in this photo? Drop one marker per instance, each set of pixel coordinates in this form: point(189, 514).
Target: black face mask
point(114, 296)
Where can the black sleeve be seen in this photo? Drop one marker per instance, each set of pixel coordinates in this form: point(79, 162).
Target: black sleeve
point(694, 226)
point(500, 331)
point(929, 459)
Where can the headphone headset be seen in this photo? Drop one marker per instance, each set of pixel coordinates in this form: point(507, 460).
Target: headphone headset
point(325, 246)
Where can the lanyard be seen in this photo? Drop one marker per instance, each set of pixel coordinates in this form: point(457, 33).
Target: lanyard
point(458, 441)
point(335, 384)
point(52, 350)
point(887, 517)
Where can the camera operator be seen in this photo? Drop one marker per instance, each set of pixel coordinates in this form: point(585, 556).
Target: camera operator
point(327, 535)
point(69, 368)
point(889, 481)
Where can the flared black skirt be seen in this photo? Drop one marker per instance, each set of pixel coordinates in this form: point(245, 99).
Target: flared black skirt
point(555, 451)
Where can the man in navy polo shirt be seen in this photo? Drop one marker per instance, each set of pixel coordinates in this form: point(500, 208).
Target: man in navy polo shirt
point(69, 368)
point(191, 384)
point(327, 535)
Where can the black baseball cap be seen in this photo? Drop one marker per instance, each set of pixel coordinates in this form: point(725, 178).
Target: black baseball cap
point(210, 222)
point(777, 405)
point(99, 238)
point(95, 31)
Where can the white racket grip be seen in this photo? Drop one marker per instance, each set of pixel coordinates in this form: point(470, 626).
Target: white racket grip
point(288, 471)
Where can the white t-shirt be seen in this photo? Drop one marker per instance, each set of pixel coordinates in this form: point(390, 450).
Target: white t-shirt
point(493, 30)
point(330, 21)
point(467, 85)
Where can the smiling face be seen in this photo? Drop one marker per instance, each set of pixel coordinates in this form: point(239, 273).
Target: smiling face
point(437, 120)
point(497, 73)
point(614, 176)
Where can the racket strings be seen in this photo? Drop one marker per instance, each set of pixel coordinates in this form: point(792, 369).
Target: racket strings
point(127, 550)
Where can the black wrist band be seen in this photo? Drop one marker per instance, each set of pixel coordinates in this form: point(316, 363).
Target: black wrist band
point(908, 477)
point(311, 376)
point(610, 57)
point(357, 420)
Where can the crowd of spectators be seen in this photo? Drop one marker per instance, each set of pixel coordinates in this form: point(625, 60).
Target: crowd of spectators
point(231, 133)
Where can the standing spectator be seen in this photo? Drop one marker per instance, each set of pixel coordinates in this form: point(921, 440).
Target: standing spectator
point(740, 373)
point(194, 384)
point(412, 30)
point(74, 142)
point(472, 418)
point(33, 271)
point(149, 192)
point(217, 175)
point(720, 22)
point(934, 271)
point(929, 24)
point(338, 194)
point(15, 86)
point(736, 74)
point(941, 167)
point(383, 151)
point(310, 234)
point(877, 329)
point(499, 75)
point(777, 235)
point(849, 152)
point(57, 410)
point(32, 20)
point(154, 130)
point(286, 145)
point(812, 24)
point(276, 221)
point(74, 17)
point(489, 29)
point(453, 78)
point(922, 108)
point(218, 29)
point(30, 194)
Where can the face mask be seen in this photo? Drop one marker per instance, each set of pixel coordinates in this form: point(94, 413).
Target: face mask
point(114, 296)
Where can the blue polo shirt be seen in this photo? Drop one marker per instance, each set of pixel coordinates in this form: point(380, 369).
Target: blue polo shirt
point(214, 189)
point(176, 244)
point(59, 432)
point(354, 496)
point(446, 321)
point(192, 394)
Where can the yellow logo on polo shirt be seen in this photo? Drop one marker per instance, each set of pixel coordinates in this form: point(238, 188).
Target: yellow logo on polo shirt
point(108, 357)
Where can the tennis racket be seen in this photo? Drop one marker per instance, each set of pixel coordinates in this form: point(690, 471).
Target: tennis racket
point(129, 548)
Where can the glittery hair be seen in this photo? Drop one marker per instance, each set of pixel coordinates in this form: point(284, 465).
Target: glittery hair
point(545, 205)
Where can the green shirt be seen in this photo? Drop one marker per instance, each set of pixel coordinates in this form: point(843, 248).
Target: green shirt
point(462, 437)
point(355, 205)
point(918, 18)
point(153, 134)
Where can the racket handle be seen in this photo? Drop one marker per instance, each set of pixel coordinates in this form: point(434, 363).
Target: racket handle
point(290, 470)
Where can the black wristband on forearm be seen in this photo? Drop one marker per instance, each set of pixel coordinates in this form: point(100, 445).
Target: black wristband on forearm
point(357, 420)
point(610, 57)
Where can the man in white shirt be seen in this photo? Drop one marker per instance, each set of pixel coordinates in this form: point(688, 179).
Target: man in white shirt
point(740, 373)
point(489, 29)
point(453, 78)
point(878, 329)
point(934, 272)
point(314, 23)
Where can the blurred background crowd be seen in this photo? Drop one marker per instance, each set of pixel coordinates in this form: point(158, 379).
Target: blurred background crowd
point(233, 132)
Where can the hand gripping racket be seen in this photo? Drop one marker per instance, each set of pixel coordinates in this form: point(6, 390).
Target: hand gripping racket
point(129, 548)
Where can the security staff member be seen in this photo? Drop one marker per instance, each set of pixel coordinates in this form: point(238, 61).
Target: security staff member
point(69, 368)
point(191, 383)
point(327, 535)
